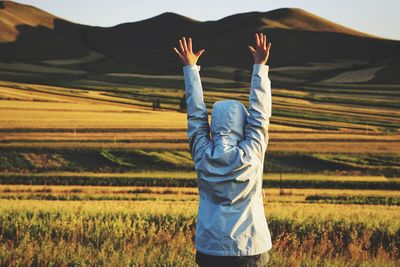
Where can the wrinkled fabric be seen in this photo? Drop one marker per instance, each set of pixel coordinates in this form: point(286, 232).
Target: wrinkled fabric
point(228, 158)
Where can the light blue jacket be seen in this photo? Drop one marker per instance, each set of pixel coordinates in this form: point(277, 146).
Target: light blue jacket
point(228, 158)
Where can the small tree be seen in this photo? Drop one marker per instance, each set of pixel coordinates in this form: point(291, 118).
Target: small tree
point(183, 104)
point(238, 75)
point(156, 103)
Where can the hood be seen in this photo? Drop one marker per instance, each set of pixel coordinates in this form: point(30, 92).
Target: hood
point(228, 121)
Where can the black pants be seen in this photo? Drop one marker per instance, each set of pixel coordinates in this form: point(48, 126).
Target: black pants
point(204, 260)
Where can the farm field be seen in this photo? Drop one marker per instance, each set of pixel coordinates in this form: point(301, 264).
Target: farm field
point(90, 170)
point(161, 232)
point(60, 117)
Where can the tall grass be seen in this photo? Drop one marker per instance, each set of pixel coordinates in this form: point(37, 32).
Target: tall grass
point(162, 234)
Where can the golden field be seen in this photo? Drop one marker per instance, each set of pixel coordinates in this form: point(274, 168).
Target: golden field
point(73, 160)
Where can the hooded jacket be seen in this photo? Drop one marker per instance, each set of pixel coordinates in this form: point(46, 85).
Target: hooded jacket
point(228, 158)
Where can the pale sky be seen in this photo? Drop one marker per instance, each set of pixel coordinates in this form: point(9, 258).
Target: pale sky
point(377, 17)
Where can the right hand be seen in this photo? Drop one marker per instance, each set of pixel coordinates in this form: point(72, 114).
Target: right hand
point(261, 53)
point(186, 55)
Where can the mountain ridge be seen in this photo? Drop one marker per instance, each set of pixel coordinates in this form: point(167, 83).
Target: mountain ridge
point(299, 38)
point(309, 21)
point(284, 18)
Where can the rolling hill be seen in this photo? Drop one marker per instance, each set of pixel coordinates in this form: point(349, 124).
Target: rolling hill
point(319, 50)
point(31, 34)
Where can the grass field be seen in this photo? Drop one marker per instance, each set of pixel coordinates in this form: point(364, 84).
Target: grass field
point(161, 232)
point(89, 170)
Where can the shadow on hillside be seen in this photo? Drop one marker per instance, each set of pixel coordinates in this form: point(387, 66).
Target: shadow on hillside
point(146, 46)
point(41, 43)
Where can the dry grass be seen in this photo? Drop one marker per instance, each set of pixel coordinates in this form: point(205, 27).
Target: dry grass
point(93, 56)
point(338, 147)
point(35, 68)
point(161, 232)
point(192, 174)
point(327, 147)
point(52, 107)
point(356, 76)
point(298, 211)
point(271, 195)
point(70, 134)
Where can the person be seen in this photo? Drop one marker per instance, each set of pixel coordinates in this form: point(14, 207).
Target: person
point(231, 227)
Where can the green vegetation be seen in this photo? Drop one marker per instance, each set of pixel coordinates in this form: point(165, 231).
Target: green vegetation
point(75, 159)
point(172, 181)
point(323, 117)
point(370, 200)
point(342, 100)
point(77, 197)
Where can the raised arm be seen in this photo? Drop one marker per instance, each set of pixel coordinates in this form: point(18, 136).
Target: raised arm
point(260, 100)
point(198, 127)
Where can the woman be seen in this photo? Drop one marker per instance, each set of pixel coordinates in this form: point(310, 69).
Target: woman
point(231, 228)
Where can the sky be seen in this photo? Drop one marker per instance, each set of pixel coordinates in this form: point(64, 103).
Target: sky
point(377, 17)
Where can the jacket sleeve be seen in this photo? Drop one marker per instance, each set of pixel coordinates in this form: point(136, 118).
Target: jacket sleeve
point(198, 128)
point(260, 111)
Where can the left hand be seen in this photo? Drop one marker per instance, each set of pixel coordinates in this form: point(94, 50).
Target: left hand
point(186, 55)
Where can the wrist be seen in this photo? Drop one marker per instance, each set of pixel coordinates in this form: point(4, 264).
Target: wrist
point(193, 66)
point(189, 63)
point(260, 68)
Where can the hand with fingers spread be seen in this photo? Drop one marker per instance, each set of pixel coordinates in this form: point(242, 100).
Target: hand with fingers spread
point(186, 55)
point(261, 53)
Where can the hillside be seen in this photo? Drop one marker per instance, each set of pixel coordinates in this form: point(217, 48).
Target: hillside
point(298, 19)
point(300, 39)
point(14, 15)
point(31, 35)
